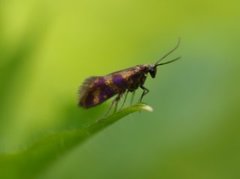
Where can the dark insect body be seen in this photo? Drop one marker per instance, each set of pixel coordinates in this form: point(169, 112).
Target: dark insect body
point(97, 89)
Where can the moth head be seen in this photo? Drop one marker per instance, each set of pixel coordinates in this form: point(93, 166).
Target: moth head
point(152, 70)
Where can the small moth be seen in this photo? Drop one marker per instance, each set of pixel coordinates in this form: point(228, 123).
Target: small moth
point(97, 89)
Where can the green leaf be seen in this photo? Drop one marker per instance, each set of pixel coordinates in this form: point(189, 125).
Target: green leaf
point(41, 154)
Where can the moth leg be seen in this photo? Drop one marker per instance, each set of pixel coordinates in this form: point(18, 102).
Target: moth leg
point(115, 104)
point(125, 98)
point(145, 91)
point(116, 100)
point(133, 94)
point(108, 111)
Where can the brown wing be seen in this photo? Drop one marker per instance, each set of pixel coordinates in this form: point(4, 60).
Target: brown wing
point(128, 72)
point(127, 79)
point(98, 89)
point(94, 91)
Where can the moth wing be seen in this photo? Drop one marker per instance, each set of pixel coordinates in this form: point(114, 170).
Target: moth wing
point(94, 91)
point(86, 86)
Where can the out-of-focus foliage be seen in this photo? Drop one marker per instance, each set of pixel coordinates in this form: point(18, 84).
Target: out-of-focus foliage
point(47, 48)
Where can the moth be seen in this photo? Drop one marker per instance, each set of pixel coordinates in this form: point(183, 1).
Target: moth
point(97, 89)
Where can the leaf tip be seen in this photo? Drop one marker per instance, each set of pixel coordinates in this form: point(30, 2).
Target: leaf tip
point(146, 107)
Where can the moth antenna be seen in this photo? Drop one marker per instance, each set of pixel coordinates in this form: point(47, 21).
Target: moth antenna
point(167, 54)
point(170, 61)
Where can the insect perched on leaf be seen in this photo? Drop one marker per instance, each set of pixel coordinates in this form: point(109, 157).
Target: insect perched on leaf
point(97, 89)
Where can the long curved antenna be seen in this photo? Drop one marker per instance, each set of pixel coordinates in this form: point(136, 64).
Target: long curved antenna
point(170, 61)
point(171, 51)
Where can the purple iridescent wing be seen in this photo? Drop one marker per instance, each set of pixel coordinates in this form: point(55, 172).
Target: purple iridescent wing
point(95, 90)
point(127, 79)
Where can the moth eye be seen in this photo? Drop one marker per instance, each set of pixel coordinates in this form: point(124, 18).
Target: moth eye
point(151, 70)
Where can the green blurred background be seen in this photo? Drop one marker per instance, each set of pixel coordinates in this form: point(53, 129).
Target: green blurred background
point(47, 49)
